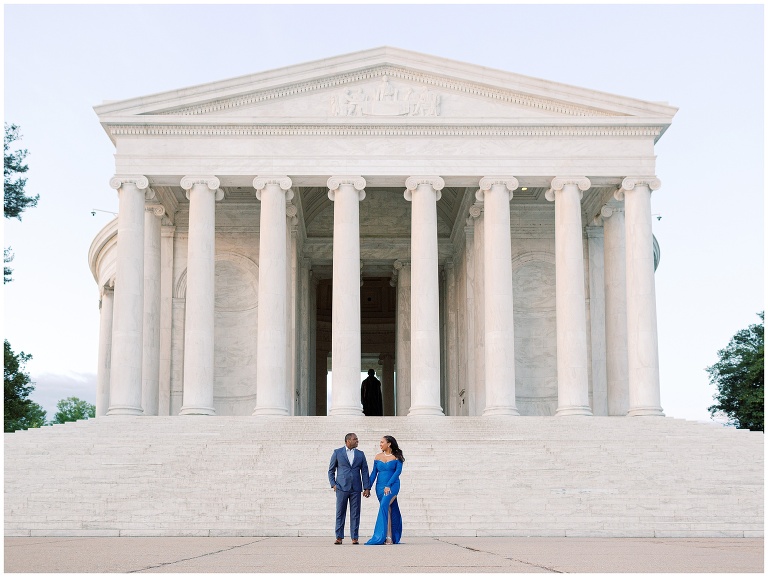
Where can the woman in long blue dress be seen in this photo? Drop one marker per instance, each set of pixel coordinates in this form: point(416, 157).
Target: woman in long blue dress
point(387, 467)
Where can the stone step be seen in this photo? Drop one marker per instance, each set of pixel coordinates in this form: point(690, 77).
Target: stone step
point(473, 476)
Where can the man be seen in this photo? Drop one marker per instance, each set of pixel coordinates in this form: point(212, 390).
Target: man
point(370, 396)
point(348, 474)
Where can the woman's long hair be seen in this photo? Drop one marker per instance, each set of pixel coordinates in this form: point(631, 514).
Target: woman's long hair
point(395, 449)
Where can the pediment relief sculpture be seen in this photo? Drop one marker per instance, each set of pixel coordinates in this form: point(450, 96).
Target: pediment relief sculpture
point(385, 99)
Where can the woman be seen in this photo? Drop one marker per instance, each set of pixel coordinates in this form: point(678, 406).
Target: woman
point(387, 467)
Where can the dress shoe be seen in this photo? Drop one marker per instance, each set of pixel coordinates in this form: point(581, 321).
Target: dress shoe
point(337, 542)
point(355, 542)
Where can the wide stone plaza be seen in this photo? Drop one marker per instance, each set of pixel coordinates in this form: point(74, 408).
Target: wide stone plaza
point(483, 240)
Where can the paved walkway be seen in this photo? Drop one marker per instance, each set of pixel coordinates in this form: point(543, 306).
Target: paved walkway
point(414, 555)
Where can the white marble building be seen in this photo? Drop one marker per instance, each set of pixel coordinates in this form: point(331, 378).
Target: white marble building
point(481, 238)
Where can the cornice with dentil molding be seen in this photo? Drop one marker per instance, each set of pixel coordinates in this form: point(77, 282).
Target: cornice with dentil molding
point(395, 72)
point(379, 130)
point(335, 182)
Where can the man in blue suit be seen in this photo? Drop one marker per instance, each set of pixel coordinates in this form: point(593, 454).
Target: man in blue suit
point(348, 475)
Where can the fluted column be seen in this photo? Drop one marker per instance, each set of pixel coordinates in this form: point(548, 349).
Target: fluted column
point(346, 192)
point(572, 370)
point(403, 338)
point(202, 192)
point(387, 363)
point(128, 314)
point(271, 369)
point(105, 350)
point(423, 192)
point(642, 334)
point(616, 366)
point(495, 193)
point(150, 371)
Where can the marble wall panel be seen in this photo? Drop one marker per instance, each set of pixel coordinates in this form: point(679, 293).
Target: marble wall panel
point(235, 324)
point(535, 333)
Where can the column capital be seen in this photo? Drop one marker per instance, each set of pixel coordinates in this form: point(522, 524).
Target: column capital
point(285, 183)
point(398, 265)
point(335, 182)
point(630, 182)
point(413, 182)
point(213, 184)
point(510, 182)
point(141, 182)
point(157, 209)
point(560, 182)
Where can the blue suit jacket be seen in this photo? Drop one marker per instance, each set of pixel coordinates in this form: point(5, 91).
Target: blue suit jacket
point(348, 477)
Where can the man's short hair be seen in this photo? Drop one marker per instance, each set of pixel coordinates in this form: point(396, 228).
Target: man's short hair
point(371, 372)
point(348, 436)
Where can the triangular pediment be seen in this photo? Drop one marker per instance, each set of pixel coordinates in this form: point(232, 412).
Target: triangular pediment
point(379, 85)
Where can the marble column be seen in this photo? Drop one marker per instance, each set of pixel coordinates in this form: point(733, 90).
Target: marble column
point(271, 369)
point(321, 383)
point(423, 192)
point(128, 313)
point(496, 192)
point(596, 319)
point(572, 370)
point(642, 335)
point(346, 192)
point(150, 369)
point(167, 234)
point(451, 339)
point(403, 338)
point(105, 350)
point(202, 192)
point(387, 363)
point(616, 352)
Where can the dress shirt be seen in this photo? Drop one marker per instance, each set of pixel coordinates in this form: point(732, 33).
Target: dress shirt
point(351, 455)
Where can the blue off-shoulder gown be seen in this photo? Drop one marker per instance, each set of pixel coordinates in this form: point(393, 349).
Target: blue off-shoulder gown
point(387, 475)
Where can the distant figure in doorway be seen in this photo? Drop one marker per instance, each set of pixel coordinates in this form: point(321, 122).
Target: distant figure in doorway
point(370, 396)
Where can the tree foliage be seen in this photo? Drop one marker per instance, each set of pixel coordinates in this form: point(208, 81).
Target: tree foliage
point(16, 201)
point(20, 412)
point(739, 377)
point(73, 409)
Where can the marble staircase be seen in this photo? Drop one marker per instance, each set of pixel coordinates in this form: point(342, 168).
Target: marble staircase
point(463, 476)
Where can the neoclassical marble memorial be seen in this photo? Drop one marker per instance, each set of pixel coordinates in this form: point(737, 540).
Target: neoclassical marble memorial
point(483, 239)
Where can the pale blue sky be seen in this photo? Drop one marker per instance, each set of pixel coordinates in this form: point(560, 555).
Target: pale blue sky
point(60, 61)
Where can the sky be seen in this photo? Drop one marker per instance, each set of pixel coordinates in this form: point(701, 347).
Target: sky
point(707, 60)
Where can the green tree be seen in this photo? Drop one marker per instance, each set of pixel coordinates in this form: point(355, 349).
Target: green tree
point(73, 409)
point(19, 411)
point(739, 377)
point(15, 201)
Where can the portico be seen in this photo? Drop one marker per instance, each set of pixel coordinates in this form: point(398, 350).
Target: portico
point(447, 220)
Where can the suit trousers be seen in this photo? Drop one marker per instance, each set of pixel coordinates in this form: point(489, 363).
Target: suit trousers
point(342, 497)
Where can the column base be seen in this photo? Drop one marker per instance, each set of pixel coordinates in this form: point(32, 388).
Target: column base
point(270, 412)
point(345, 412)
point(577, 410)
point(125, 410)
point(426, 410)
point(501, 412)
point(645, 412)
point(187, 410)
